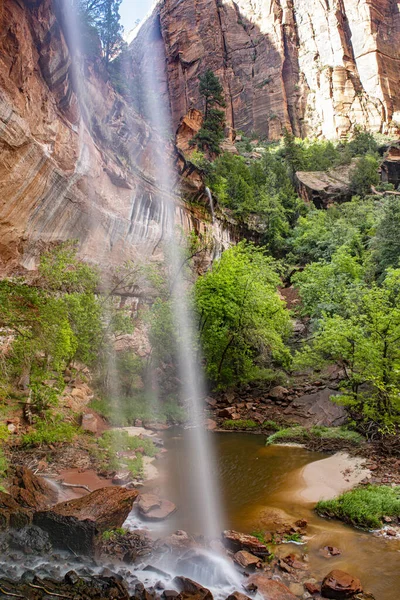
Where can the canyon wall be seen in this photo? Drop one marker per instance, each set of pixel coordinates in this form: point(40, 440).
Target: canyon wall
point(74, 170)
point(317, 67)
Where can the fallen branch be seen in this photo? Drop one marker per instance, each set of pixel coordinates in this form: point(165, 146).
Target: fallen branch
point(10, 594)
point(77, 485)
point(375, 191)
point(40, 587)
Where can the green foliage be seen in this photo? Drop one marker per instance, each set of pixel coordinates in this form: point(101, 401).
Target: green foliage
point(242, 319)
point(50, 431)
point(120, 439)
point(3, 466)
point(271, 425)
point(111, 534)
point(240, 424)
point(365, 343)
point(211, 133)
point(386, 245)
point(326, 288)
point(319, 234)
point(293, 537)
point(301, 434)
point(262, 188)
point(364, 175)
point(104, 16)
point(123, 411)
point(363, 507)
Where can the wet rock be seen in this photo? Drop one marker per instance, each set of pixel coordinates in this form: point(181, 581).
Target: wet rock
point(246, 559)
point(312, 587)
point(291, 562)
point(238, 596)
point(179, 539)
point(153, 508)
point(329, 551)
point(190, 589)
point(127, 546)
point(31, 540)
point(169, 594)
point(240, 541)
point(122, 477)
point(339, 585)
point(89, 423)
point(74, 524)
point(269, 589)
point(211, 425)
point(31, 491)
point(226, 413)
point(12, 514)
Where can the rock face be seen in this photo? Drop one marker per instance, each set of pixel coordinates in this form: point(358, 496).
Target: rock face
point(82, 170)
point(75, 524)
point(313, 67)
point(340, 585)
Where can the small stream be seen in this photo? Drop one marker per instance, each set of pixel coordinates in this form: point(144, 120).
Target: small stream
point(258, 485)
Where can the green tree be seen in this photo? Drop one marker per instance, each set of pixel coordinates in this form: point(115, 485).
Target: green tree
point(104, 16)
point(386, 252)
point(211, 133)
point(364, 175)
point(242, 320)
point(365, 344)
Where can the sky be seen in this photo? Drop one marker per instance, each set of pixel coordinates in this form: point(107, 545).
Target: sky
point(131, 10)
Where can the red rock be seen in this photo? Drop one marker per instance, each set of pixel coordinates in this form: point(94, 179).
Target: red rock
point(269, 589)
point(153, 508)
point(312, 588)
point(246, 559)
point(31, 491)
point(329, 551)
point(191, 589)
point(89, 423)
point(75, 524)
point(240, 541)
point(339, 585)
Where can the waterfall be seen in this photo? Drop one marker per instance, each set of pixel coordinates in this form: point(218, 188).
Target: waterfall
point(211, 200)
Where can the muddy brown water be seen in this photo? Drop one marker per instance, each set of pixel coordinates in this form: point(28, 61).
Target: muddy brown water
point(257, 485)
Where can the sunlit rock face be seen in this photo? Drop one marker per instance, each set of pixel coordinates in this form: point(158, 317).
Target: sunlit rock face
point(313, 67)
point(65, 176)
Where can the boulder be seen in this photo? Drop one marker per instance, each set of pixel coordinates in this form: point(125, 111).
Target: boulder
point(323, 188)
point(12, 514)
point(339, 585)
point(246, 559)
point(153, 508)
point(74, 524)
point(31, 491)
point(89, 423)
point(317, 409)
point(238, 596)
point(269, 589)
point(312, 587)
point(329, 551)
point(190, 589)
point(278, 392)
point(241, 541)
point(179, 539)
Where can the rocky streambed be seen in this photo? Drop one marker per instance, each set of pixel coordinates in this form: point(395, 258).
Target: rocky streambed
point(76, 549)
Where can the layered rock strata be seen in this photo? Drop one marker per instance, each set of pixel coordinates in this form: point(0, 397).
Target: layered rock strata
point(82, 169)
point(312, 67)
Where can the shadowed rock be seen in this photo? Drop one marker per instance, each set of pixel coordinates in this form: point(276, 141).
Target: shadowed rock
point(191, 590)
point(12, 514)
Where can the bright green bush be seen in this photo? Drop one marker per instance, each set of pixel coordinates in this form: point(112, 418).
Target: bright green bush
point(301, 434)
point(50, 432)
point(363, 507)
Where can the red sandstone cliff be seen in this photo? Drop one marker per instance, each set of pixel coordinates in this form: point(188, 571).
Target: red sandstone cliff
point(317, 67)
point(71, 170)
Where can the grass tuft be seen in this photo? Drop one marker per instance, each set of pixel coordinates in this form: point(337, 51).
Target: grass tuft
point(303, 434)
point(363, 507)
point(240, 424)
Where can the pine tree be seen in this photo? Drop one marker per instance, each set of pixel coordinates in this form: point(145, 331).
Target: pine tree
point(104, 16)
point(211, 133)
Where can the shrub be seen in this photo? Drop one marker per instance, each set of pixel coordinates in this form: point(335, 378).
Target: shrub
point(303, 434)
point(363, 507)
point(50, 432)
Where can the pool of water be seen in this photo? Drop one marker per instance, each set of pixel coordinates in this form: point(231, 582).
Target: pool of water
point(257, 486)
